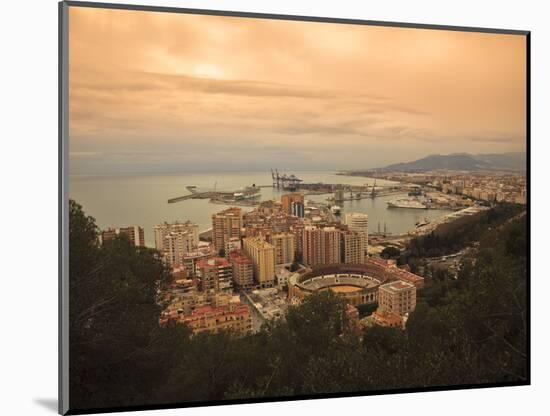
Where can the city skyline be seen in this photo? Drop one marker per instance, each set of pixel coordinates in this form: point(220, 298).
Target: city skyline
point(160, 92)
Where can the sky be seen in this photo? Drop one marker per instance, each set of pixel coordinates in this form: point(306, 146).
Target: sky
point(153, 92)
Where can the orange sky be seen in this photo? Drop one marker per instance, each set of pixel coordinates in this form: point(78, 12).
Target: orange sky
point(163, 92)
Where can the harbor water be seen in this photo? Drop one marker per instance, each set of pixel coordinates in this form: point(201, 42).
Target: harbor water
point(120, 201)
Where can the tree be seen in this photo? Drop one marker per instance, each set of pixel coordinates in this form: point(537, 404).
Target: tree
point(384, 339)
point(390, 252)
point(366, 309)
point(115, 340)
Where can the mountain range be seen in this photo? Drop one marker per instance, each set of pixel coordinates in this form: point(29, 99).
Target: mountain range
point(464, 161)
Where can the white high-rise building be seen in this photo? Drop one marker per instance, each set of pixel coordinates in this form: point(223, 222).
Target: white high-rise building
point(359, 223)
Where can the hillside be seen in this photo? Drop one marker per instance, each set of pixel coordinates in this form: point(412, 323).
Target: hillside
point(464, 161)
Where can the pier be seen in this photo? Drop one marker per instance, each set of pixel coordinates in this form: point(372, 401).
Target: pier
point(196, 195)
point(249, 196)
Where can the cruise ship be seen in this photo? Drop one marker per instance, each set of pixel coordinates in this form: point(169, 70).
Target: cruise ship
point(250, 192)
point(406, 203)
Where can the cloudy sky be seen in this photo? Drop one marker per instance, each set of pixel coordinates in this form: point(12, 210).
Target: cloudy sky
point(164, 92)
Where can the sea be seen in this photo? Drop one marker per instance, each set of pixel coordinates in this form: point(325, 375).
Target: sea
point(141, 199)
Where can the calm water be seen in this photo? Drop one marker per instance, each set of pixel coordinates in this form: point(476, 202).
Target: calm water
point(119, 201)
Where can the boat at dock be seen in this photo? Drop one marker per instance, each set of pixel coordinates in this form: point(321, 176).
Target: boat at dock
point(249, 192)
point(406, 203)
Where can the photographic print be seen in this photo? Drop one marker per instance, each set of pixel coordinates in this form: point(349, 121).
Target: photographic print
point(266, 208)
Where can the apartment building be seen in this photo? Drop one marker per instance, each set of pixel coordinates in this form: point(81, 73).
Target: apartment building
point(321, 245)
point(262, 255)
point(176, 240)
point(397, 297)
point(226, 225)
point(285, 247)
point(215, 274)
point(354, 246)
point(243, 270)
point(288, 199)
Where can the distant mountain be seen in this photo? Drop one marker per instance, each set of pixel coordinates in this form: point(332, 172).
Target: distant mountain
point(512, 161)
point(463, 161)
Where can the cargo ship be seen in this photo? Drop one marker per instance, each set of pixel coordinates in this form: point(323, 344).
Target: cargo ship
point(406, 203)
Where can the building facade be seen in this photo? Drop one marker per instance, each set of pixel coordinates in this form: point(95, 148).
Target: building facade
point(353, 246)
point(397, 297)
point(191, 259)
point(229, 316)
point(226, 225)
point(243, 270)
point(234, 243)
point(262, 255)
point(297, 209)
point(321, 245)
point(358, 222)
point(285, 247)
point(288, 199)
point(187, 227)
point(215, 274)
point(175, 240)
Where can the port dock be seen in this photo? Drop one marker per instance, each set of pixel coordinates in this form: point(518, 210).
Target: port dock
point(196, 195)
point(249, 196)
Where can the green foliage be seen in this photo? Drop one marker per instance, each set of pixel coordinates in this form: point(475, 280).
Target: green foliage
point(366, 309)
point(384, 340)
point(114, 335)
point(390, 252)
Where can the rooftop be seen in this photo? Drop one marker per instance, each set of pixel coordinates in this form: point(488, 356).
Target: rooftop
point(397, 286)
point(215, 261)
point(238, 257)
point(258, 242)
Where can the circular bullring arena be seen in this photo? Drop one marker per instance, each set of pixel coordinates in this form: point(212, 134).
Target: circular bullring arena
point(356, 283)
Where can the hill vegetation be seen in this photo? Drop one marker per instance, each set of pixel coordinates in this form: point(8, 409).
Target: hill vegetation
point(450, 238)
